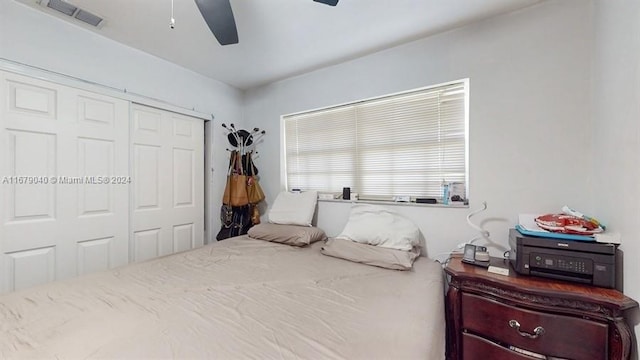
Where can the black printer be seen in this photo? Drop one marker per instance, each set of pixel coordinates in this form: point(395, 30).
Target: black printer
point(585, 262)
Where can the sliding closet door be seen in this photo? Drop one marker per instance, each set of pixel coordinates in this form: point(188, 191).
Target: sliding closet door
point(58, 217)
point(168, 173)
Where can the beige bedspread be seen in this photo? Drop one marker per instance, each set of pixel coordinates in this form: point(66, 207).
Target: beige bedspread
point(236, 299)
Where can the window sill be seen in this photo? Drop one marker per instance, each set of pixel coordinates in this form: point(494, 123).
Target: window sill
point(397, 203)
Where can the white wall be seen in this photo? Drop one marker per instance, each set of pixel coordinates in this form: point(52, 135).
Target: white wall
point(529, 114)
point(32, 37)
point(616, 140)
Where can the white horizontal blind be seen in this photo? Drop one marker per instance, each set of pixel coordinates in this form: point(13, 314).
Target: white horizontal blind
point(406, 144)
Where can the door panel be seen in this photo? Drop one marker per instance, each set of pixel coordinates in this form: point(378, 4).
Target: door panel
point(30, 154)
point(147, 177)
point(183, 238)
point(95, 255)
point(100, 135)
point(31, 267)
point(146, 244)
point(95, 157)
point(168, 167)
point(96, 112)
point(32, 101)
point(59, 218)
point(183, 181)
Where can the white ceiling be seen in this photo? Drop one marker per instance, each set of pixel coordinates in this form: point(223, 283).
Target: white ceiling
point(281, 38)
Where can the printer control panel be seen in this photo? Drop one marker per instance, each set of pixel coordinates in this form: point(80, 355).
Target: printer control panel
point(561, 263)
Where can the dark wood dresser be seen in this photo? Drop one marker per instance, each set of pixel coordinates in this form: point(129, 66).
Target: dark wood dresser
point(491, 316)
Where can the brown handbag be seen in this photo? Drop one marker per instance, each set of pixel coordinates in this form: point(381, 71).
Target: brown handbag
point(254, 190)
point(235, 193)
point(238, 190)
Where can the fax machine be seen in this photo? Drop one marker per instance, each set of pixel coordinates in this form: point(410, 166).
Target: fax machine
point(578, 261)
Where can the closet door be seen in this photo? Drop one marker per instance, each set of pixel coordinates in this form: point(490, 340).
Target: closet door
point(60, 216)
point(168, 175)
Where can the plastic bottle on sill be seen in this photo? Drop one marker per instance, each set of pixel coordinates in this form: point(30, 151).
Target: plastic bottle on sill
point(445, 193)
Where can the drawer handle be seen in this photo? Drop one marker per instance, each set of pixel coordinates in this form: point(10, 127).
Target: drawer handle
point(539, 330)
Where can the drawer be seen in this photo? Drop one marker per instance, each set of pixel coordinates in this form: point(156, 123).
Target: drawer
point(563, 336)
point(477, 348)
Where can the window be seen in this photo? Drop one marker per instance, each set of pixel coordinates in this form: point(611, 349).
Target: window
point(402, 144)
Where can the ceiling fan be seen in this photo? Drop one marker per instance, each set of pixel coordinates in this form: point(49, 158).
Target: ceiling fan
point(219, 16)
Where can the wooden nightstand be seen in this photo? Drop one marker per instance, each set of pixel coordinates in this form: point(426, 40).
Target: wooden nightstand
point(489, 313)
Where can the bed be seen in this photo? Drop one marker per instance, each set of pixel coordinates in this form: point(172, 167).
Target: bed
point(235, 299)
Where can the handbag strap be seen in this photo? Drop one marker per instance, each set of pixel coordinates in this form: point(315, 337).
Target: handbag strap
point(232, 161)
point(238, 164)
point(248, 164)
point(251, 165)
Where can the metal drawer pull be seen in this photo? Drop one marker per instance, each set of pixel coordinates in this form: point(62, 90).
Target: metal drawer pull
point(536, 332)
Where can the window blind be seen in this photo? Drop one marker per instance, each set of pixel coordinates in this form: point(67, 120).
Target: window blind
point(403, 144)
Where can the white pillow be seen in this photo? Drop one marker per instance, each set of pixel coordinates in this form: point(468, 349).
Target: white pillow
point(294, 208)
point(377, 225)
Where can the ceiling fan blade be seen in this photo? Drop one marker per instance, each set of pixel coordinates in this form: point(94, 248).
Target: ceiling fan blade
point(328, 2)
point(219, 16)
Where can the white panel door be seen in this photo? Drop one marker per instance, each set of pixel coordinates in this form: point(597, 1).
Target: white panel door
point(168, 176)
point(54, 141)
point(100, 217)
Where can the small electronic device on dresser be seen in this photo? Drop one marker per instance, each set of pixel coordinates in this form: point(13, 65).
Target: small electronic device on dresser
point(476, 255)
point(586, 262)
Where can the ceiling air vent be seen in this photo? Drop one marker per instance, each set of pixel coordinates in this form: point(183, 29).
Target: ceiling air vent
point(73, 11)
point(62, 6)
point(88, 17)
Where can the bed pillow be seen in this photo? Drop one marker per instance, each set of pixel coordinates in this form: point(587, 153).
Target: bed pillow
point(294, 208)
point(377, 225)
point(371, 255)
point(287, 234)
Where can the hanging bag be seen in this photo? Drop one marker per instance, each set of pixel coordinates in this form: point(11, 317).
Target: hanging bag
point(238, 195)
point(255, 192)
point(239, 225)
point(235, 193)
